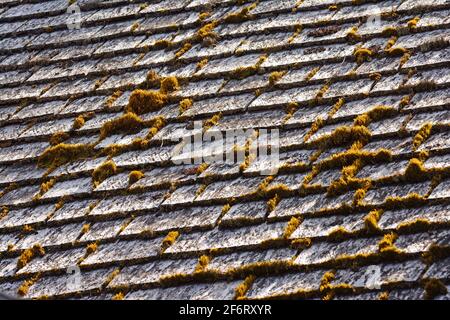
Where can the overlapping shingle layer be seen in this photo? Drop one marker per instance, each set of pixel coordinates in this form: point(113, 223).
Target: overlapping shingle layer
point(358, 209)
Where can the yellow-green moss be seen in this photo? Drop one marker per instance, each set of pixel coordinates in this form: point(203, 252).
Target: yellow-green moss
point(387, 243)
point(104, 171)
point(62, 153)
point(169, 85)
point(276, 76)
point(185, 104)
point(415, 170)
point(58, 138)
point(127, 123)
point(272, 203)
point(169, 240)
point(422, 135)
point(240, 16)
point(185, 48)
point(291, 227)
point(315, 126)
point(362, 54)
point(28, 254)
point(301, 244)
point(144, 101)
point(135, 176)
point(202, 264)
point(371, 220)
point(26, 284)
point(242, 288)
point(413, 22)
point(118, 296)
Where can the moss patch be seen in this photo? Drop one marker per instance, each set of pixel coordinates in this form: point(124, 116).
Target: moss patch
point(104, 171)
point(144, 101)
point(135, 176)
point(127, 123)
point(28, 254)
point(242, 288)
point(62, 153)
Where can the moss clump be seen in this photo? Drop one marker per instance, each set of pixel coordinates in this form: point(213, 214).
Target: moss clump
point(212, 121)
point(118, 296)
point(207, 31)
point(362, 54)
point(433, 288)
point(91, 248)
point(201, 64)
point(413, 22)
point(376, 114)
point(325, 284)
point(113, 98)
point(78, 122)
point(104, 171)
point(240, 16)
point(185, 104)
point(396, 51)
point(291, 227)
point(345, 134)
point(127, 123)
point(360, 194)
point(371, 220)
point(383, 296)
point(244, 72)
point(144, 101)
point(45, 186)
point(415, 171)
point(276, 76)
point(25, 286)
point(242, 288)
point(135, 176)
point(422, 135)
point(386, 244)
point(272, 203)
point(353, 36)
point(185, 48)
point(202, 264)
point(169, 85)
point(301, 244)
point(169, 240)
point(62, 153)
point(315, 126)
point(3, 212)
point(58, 138)
point(201, 168)
point(28, 254)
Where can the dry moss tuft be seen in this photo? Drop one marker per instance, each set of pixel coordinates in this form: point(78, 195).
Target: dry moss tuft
point(422, 135)
point(242, 288)
point(144, 101)
point(28, 254)
point(104, 171)
point(291, 227)
point(118, 296)
point(135, 176)
point(413, 22)
point(62, 153)
point(58, 138)
point(415, 170)
point(127, 123)
point(301, 244)
point(315, 126)
point(45, 186)
point(383, 295)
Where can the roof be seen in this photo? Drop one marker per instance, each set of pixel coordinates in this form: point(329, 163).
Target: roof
point(101, 198)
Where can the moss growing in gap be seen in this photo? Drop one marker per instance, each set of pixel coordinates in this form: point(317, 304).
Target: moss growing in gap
point(422, 135)
point(371, 220)
point(28, 254)
point(386, 245)
point(185, 104)
point(202, 264)
point(243, 288)
point(62, 153)
point(185, 48)
point(169, 240)
point(276, 76)
point(25, 286)
point(104, 171)
point(291, 227)
point(135, 176)
point(127, 123)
